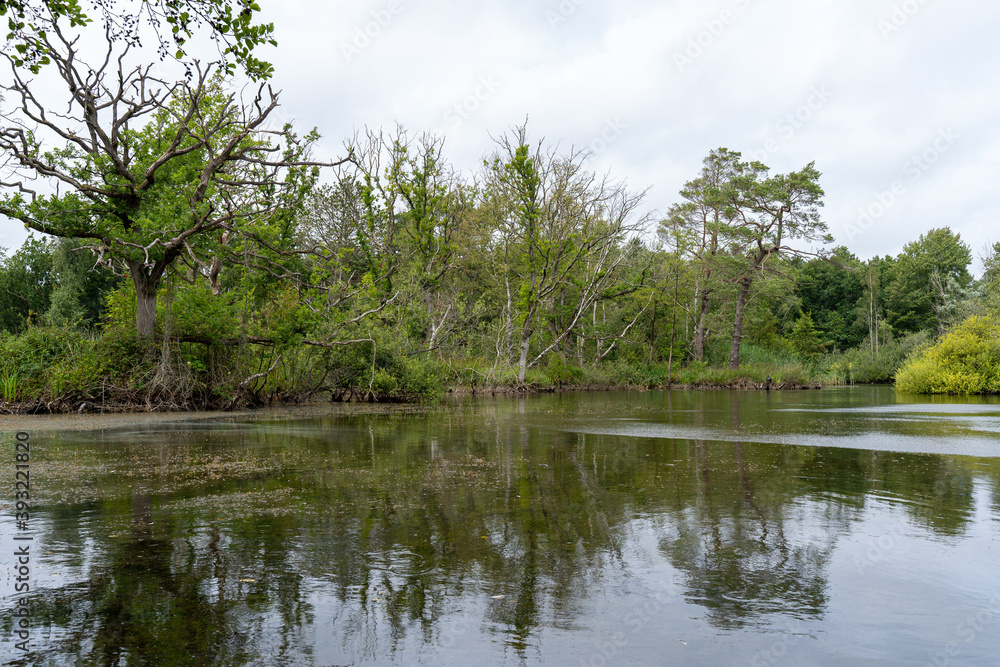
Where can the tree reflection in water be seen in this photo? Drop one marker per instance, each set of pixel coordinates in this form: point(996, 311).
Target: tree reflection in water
point(393, 537)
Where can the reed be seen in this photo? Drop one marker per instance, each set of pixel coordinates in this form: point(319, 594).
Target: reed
point(8, 385)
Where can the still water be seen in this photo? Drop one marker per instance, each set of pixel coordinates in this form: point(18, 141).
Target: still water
point(835, 527)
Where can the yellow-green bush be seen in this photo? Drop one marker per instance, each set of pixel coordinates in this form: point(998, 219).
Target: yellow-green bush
point(964, 361)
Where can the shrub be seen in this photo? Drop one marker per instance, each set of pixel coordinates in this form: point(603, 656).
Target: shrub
point(965, 361)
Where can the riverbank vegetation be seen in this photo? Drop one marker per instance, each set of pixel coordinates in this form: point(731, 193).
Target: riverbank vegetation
point(188, 252)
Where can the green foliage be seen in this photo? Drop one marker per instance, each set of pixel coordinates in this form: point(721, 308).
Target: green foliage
point(400, 281)
point(749, 373)
point(80, 286)
point(26, 279)
point(285, 318)
point(965, 361)
point(196, 313)
point(864, 364)
point(918, 283)
point(119, 306)
point(560, 374)
point(805, 338)
point(8, 385)
point(232, 23)
point(830, 291)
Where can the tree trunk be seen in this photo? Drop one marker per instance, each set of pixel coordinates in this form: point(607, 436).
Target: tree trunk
point(522, 362)
point(741, 302)
point(698, 351)
point(670, 359)
point(652, 335)
point(145, 299)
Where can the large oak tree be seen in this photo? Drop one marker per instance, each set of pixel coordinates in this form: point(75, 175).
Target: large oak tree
point(152, 174)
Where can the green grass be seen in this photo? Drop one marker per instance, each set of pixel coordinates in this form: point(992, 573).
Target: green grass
point(8, 385)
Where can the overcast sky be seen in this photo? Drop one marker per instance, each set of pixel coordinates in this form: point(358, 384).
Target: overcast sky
point(896, 101)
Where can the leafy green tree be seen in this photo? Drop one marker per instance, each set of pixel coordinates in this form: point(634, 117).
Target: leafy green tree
point(805, 338)
point(149, 173)
point(991, 264)
point(770, 211)
point(990, 282)
point(830, 289)
point(80, 286)
point(702, 224)
point(923, 276)
point(435, 203)
point(560, 239)
point(26, 282)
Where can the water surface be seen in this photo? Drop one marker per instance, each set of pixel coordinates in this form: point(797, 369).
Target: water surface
point(834, 527)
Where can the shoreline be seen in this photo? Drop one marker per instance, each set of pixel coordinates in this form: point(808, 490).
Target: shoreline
point(64, 411)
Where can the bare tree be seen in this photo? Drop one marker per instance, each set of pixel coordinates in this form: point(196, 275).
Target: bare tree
point(560, 231)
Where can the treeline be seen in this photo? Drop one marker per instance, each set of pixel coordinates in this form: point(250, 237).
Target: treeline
point(189, 253)
point(402, 278)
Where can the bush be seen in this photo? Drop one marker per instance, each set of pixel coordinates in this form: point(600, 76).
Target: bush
point(559, 374)
point(863, 366)
point(964, 361)
point(52, 362)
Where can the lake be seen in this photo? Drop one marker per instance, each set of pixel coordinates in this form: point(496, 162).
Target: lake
point(836, 527)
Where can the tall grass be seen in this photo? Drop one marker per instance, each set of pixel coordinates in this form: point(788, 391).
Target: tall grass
point(8, 385)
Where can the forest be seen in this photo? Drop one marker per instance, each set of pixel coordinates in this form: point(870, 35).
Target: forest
point(187, 252)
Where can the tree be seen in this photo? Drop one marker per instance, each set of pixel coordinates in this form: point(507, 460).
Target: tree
point(79, 286)
point(805, 337)
point(922, 278)
point(25, 284)
point(991, 264)
point(435, 203)
point(769, 211)
point(383, 233)
point(870, 306)
point(560, 239)
point(704, 221)
point(150, 173)
point(990, 282)
point(228, 22)
point(830, 289)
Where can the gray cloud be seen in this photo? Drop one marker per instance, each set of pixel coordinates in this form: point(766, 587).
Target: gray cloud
point(897, 72)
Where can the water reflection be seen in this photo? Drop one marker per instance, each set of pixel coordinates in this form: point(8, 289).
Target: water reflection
point(496, 531)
